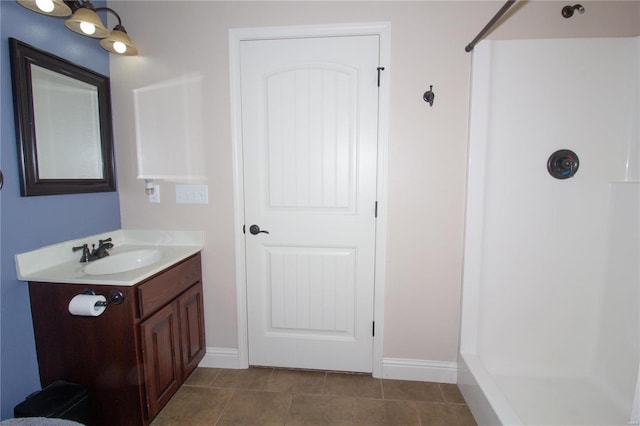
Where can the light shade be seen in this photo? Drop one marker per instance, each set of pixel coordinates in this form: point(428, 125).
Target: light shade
point(84, 20)
point(118, 42)
point(47, 7)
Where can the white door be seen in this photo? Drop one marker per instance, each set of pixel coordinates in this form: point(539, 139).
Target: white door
point(309, 130)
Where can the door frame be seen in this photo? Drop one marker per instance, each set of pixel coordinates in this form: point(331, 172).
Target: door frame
point(236, 36)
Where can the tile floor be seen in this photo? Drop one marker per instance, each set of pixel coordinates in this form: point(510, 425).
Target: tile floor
point(267, 396)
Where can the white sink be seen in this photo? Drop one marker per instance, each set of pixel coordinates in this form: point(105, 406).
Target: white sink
point(137, 255)
point(123, 262)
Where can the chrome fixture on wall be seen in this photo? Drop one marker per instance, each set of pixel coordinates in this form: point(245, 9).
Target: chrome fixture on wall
point(563, 164)
point(86, 21)
point(429, 96)
point(568, 10)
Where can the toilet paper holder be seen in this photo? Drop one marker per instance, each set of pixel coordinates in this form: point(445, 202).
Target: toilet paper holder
point(115, 297)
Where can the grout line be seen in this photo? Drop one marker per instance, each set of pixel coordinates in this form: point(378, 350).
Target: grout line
point(224, 409)
point(353, 410)
point(354, 399)
point(286, 416)
point(418, 414)
point(215, 377)
point(444, 398)
point(266, 382)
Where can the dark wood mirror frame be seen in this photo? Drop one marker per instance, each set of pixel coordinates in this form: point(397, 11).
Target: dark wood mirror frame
point(23, 56)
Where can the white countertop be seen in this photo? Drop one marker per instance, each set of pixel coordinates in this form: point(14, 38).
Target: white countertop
point(58, 263)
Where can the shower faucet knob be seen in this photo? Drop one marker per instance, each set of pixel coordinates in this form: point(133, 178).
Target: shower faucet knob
point(563, 164)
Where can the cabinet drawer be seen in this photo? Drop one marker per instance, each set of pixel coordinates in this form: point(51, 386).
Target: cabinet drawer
point(162, 289)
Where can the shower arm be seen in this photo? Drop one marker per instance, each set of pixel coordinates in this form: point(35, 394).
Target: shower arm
point(491, 23)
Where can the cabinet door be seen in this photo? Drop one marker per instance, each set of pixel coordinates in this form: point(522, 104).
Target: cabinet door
point(191, 328)
point(161, 353)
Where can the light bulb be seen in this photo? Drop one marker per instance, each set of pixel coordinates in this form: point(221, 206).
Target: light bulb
point(45, 5)
point(87, 27)
point(119, 47)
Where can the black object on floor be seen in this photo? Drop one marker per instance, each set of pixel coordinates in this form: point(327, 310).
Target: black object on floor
point(61, 400)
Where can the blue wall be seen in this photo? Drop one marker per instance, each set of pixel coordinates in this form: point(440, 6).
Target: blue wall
point(27, 223)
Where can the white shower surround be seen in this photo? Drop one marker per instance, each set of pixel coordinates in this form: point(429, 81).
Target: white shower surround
point(550, 325)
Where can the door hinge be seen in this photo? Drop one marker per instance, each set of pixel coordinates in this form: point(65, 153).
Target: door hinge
point(243, 231)
point(373, 329)
point(375, 213)
point(379, 69)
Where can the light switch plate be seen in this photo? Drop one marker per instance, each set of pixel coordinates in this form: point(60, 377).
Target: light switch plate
point(192, 194)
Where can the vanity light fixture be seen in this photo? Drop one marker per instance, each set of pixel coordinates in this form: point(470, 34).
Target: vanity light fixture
point(47, 7)
point(118, 41)
point(86, 21)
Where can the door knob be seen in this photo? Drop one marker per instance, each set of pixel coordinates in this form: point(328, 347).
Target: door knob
point(255, 230)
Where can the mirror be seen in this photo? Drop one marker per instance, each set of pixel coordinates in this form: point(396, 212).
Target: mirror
point(63, 124)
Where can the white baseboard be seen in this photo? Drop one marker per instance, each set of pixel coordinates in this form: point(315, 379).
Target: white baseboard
point(419, 370)
point(392, 368)
point(221, 358)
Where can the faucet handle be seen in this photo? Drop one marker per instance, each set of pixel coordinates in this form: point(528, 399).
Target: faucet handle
point(85, 252)
point(105, 243)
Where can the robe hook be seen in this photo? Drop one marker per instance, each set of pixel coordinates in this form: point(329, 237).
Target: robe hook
point(429, 96)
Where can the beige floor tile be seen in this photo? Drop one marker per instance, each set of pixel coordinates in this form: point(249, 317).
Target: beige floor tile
point(319, 410)
point(267, 396)
point(451, 393)
point(202, 376)
point(256, 408)
point(432, 414)
point(355, 385)
point(412, 391)
point(464, 415)
point(296, 381)
point(378, 412)
point(251, 378)
point(194, 406)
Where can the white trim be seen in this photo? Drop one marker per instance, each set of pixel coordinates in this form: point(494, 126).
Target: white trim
point(635, 410)
point(238, 198)
point(420, 370)
point(393, 368)
point(221, 358)
point(474, 203)
point(383, 29)
point(329, 30)
point(381, 225)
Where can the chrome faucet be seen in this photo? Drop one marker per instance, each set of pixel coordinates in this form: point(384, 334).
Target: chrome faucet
point(96, 252)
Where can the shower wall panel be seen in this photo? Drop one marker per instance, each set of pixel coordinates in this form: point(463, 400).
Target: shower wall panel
point(545, 240)
point(550, 329)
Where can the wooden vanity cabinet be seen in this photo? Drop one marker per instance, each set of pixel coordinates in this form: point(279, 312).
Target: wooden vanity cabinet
point(134, 356)
point(172, 338)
